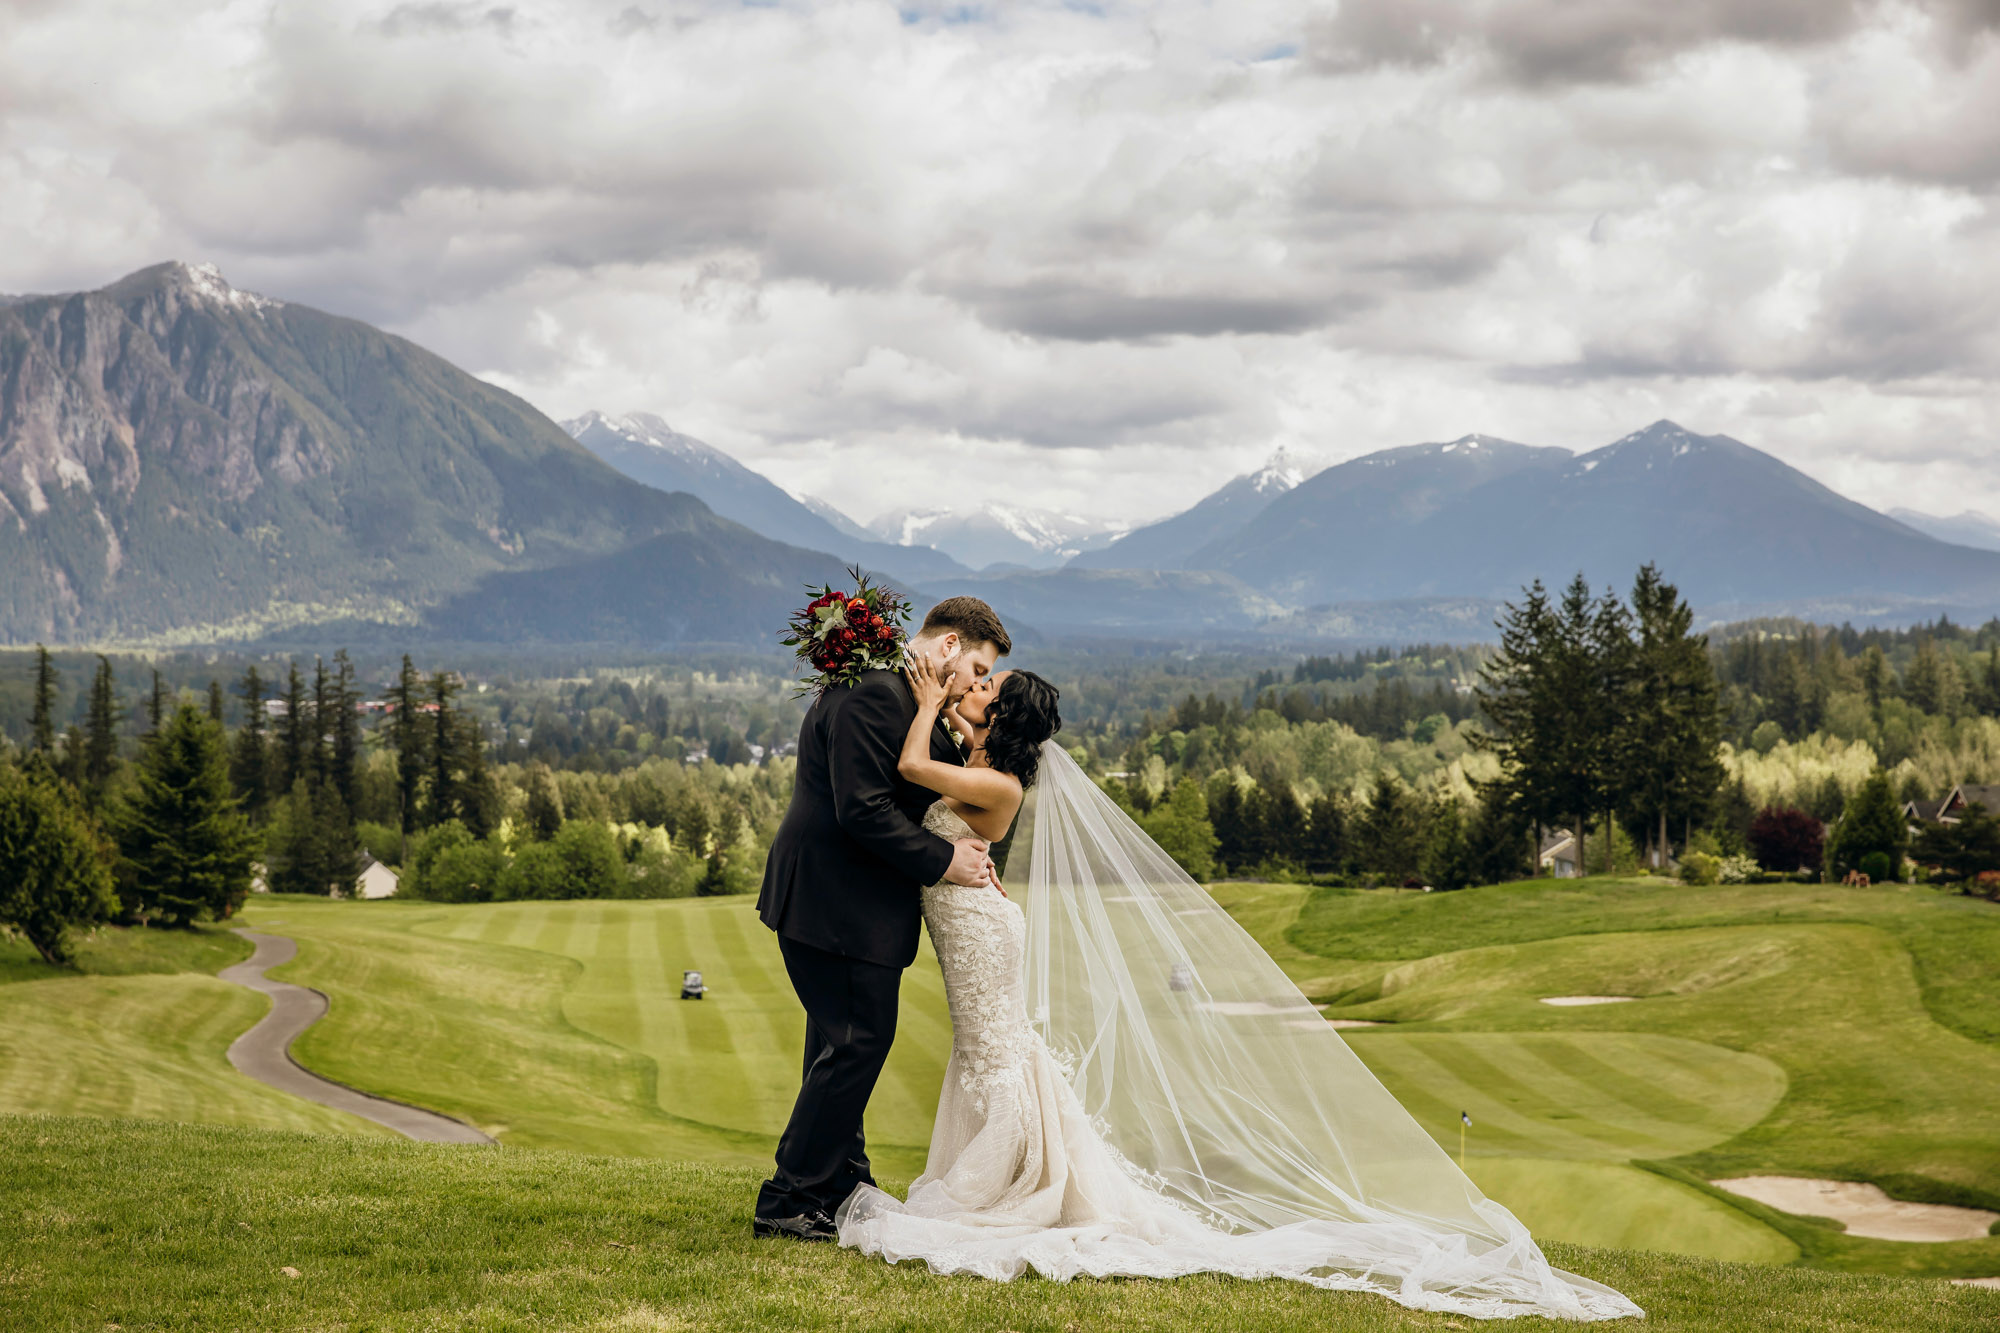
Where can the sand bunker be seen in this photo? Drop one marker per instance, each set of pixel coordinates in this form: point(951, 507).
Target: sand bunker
point(1865, 1209)
point(1993, 1282)
point(1567, 1000)
point(1355, 1023)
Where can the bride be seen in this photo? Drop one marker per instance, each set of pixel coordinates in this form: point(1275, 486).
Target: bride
point(1135, 1089)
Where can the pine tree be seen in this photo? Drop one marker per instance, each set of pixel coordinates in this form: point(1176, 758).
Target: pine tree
point(156, 705)
point(444, 743)
point(101, 748)
point(544, 813)
point(250, 755)
point(310, 846)
point(188, 845)
point(1668, 754)
point(42, 726)
point(1872, 823)
point(1522, 692)
point(294, 734)
point(1327, 851)
point(479, 802)
point(319, 762)
point(344, 756)
point(1390, 832)
point(406, 734)
point(215, 702)
point(55, 867)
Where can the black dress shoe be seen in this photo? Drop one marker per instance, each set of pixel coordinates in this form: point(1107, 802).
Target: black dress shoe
point(815, 1225)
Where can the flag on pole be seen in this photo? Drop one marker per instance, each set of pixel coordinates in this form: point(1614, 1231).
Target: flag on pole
point(1466, 1116)
point(1464, 1123)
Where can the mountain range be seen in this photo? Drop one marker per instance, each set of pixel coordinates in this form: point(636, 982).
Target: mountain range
point(183, 462)
point(1173, 543)
point(1962, 529)
point(647, 449)
point(1731, 526)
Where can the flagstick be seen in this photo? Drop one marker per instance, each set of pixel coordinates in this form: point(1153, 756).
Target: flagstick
point(1461, 1145)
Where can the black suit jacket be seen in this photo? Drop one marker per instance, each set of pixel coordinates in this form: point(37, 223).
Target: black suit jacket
point(849, 863)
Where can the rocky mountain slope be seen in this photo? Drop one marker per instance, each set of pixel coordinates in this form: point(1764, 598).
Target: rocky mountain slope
point(182, 461)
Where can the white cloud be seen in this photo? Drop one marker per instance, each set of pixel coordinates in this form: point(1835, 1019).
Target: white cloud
point(1079, 258)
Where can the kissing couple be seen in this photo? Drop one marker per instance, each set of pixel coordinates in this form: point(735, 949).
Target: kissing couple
point(1135, 1088)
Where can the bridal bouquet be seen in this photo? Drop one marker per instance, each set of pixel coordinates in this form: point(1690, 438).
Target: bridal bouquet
point(839, 635)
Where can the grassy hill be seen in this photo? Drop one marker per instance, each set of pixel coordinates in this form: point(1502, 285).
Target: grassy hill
point(1812, 1031)
point(132, 1225)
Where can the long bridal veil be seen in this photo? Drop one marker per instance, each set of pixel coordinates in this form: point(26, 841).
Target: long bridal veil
point(1212, 1075)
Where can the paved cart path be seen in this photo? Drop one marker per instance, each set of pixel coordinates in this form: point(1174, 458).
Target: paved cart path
point(264, 1052)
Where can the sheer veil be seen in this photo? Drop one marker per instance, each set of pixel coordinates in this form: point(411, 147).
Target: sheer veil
point(1222, 1086)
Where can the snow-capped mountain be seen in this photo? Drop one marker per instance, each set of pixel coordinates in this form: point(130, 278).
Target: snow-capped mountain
point(996, 534)
point(647, 449)
point(840, 521)
point(1168, 543)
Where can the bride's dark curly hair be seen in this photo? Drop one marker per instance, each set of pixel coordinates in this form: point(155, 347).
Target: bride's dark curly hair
point(1022, 715)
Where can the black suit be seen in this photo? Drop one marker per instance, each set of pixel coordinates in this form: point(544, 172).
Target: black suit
point(843, 889)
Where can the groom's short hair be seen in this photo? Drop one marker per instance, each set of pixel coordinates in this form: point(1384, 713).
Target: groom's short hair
point(971, 619)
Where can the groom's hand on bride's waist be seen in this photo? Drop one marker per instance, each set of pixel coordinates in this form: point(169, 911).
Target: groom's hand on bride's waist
point(970, 864)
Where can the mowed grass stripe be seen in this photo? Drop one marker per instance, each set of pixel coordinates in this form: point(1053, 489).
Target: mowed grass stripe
point(1561, 1088)
point(143, 1046)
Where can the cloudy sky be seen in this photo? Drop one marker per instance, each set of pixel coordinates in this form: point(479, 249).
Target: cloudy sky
point(1087, 256)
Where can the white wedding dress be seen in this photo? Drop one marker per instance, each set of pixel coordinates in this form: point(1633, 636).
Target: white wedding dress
point(1176, 1125)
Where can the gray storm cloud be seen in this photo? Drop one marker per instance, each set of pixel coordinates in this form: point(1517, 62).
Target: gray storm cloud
point(1092, 258)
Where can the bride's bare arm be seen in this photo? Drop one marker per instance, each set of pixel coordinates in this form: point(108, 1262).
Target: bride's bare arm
point(981, 788)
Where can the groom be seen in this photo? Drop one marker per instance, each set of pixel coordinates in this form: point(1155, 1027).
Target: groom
point(843, 890)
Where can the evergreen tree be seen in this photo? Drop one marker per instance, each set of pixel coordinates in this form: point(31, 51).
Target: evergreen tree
point(479, 798)
point(1284, 826)
point(1391, 832)
point(406, 734)
point(72, 763)
point(1522, 692)
point(1326, 847)
point(319, 762)
point(156, 705)
point(310, 846)
point(42, 726)
point(544, 814)
point(344, 730)
point(188, 845)
point(1669, 752)
point(444, 744)
point(295, 733)
point(215, 702)
point(101, 747)
point(1447, 856)
point(1876, 679)
point(250, 754)
point(55, 868)
point(1233, 836)
point(1872, 824)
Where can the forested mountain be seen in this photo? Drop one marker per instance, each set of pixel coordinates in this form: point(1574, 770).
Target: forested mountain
point(1169, 543)
point(178, 456)
point(647, 449)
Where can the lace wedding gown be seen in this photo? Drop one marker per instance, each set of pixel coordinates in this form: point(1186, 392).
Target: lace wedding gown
point(1022, 1176)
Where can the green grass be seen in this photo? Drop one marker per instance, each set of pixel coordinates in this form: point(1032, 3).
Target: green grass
point(168, 1227)
point(1784, 1029)
point(560, 1024)
point(138, 1028)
